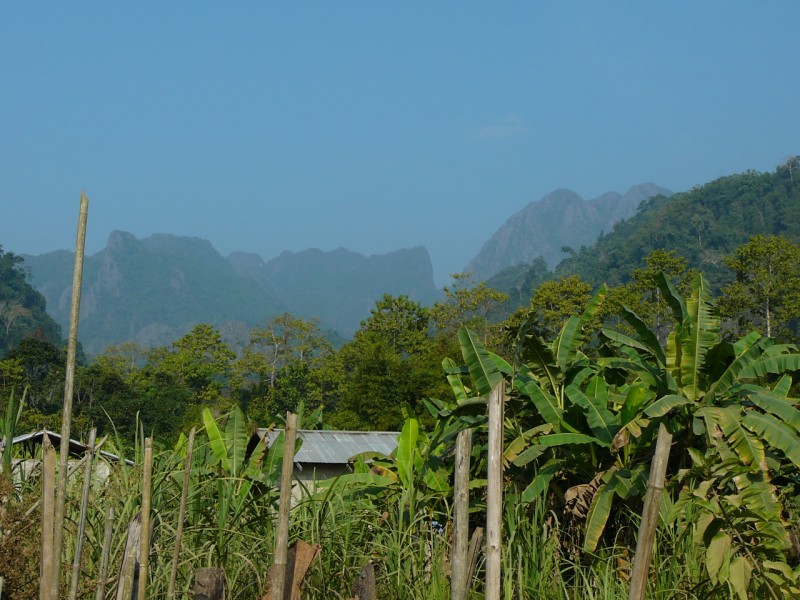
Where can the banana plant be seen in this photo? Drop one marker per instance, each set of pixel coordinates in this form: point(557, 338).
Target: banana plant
point(8, 426)
point(739, 434)
point(234, 490)
point(563, 416)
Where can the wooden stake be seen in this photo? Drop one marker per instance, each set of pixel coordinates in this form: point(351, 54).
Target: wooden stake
point(459, 569)
point(87, 484)
point(284, 507)
point(144, 548)
point(475, 545)
point(649, 524)
point(494, 493)
point(106, 552)
point(298, 560)
point(47, 568)
point(187, 472)
point(129, 570)
point(364, 588)
point(69, 383)
point(209, 584)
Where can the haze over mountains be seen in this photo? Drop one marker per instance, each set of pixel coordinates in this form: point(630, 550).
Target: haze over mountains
point(154, 290)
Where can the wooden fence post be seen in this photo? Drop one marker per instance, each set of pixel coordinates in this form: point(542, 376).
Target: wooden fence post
point(364, 588)
point(649, 524)
point(69, 384)
point(459, 569)
point(284, 507)
point(87, 485)
point(187, 472)
point(209, 584)
point(144, 548)
point(47, 568)
point(100, 593)
point(494, 493)
point(129, 570)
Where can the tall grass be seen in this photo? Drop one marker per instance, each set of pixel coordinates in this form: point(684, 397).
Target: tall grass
point(407, 538)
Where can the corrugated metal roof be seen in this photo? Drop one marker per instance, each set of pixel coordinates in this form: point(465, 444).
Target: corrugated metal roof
point(336, 447)
point(76, 448)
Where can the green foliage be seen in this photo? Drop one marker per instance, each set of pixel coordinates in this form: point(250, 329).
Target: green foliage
point(766, 292)
point(704, 225)
point(402, 322)
point(8, 426)
point(466, 304)
point(22, 308)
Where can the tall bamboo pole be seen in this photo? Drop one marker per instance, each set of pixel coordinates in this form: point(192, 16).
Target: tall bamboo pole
point(87, 485)
point(144, 548)
point(187, 472)
point(47, 567)
point(459, 569)
point(494, 493)
point(69, 382)
point(652, 503)
point(284, 506)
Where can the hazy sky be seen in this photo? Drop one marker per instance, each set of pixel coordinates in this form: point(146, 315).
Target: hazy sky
point(375, 126)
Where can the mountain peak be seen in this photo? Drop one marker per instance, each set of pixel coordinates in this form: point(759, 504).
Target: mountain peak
point(561, 218)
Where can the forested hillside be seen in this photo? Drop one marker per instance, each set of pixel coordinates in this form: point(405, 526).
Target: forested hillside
point(703, 225)
point(22, 308)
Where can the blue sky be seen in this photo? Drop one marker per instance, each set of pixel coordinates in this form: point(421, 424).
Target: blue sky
point(266, 127)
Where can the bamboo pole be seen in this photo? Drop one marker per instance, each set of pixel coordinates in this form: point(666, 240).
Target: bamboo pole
point(69, 383)
point(47, 568)
point(284, 506)
point(87, 484)
point(144, 547)
point(652, 504)
point(494, 493)
point(106, 552)
point(187, 472)
point(459, 569)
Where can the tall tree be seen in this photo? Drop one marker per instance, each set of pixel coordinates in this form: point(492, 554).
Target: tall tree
point(400, 321)
point(766, 292)
point(643, 294)
point(466, 304)
point(199, 360)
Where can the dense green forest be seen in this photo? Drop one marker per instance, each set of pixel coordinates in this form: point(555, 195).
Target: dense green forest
point(741, 232)
point(702, 225)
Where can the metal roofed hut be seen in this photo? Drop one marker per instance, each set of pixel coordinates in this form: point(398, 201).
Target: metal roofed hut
point(327, 454)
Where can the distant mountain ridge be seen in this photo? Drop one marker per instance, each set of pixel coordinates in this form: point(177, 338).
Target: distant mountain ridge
point(340, 287)
point(154, 290)
point(560, 219)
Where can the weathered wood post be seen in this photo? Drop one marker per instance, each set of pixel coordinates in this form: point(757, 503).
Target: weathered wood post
point(47, 569)
point(284, 507)
point(87, 485)
point(129, 570)
point(364, 587)
point(209, 584)
point(69, 384)
point(494, 493)
point(100, 593)
point(144, 548)
point(459, 569)
point(187, 472)
point(649, 524)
